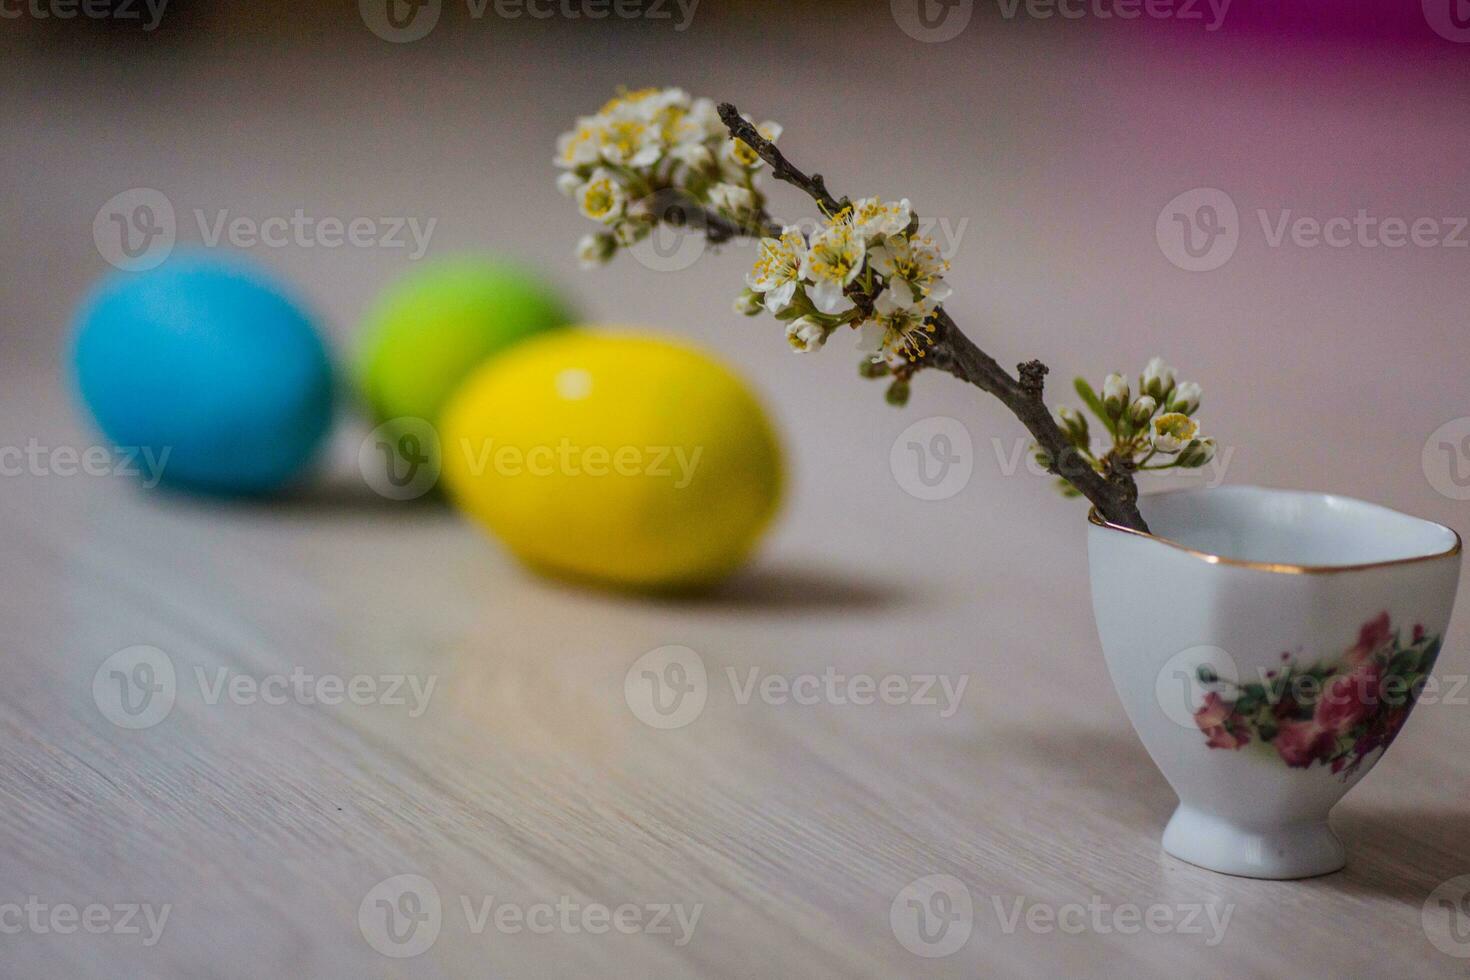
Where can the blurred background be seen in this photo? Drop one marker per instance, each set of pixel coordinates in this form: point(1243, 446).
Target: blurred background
point(1046, 146)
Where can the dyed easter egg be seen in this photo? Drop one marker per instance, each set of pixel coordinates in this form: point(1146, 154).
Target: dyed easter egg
point(430, 330)
point(207, 363)
point(621, 459)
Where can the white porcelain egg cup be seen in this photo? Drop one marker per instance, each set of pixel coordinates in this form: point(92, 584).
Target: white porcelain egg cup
point(1267, 646)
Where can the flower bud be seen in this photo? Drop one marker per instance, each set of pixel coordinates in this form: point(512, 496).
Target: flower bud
point(1074, 424)
point(805, 335)
point(873, 367)
point(594, 250)
point(695, 156)
point(1197, 453)
point(1157, 379)
point(1184, 398)
point(748, 303)
point(731, 198)
point(1115, 394)
point(1143, 409)
point(568, 183)
point(630, 232)
point(897, 393)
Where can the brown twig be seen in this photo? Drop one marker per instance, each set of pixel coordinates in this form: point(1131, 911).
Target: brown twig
point(1115, 495)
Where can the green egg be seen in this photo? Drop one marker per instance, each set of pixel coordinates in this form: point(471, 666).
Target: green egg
point(429, 330)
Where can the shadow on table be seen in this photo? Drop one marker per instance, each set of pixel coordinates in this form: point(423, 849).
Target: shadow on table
point(322, 499)
point(1103, 762)
point(798, 589)
point(1404, 854)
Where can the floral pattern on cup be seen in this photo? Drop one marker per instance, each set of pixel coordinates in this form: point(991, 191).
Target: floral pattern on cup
point(1333, 713)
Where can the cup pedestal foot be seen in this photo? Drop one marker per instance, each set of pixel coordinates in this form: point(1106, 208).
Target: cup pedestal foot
point(1294, 850)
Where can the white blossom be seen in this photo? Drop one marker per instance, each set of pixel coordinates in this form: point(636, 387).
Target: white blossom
point(578, 146)
point(602, 198)
point(1173, 431)
point(896, 331)
point(914, 263)
point(731, 198)
point(777, 270)
point(805, 334)
point(875, 220)
point(834, 259)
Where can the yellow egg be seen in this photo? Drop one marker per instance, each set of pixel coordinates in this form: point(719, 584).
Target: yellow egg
point(622, 459)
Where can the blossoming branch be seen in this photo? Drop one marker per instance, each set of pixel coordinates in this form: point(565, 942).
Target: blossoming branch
point(656, 156)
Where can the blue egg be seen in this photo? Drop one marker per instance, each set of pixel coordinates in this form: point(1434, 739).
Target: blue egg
point(206, 359)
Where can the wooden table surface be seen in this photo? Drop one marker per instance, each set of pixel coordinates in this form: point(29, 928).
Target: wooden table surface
point(764, 837)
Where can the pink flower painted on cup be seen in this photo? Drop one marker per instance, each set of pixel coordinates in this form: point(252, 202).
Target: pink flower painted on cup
point(1222, 729)
point(1333, 712)
point(1348, 699)
point(1301, 743)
